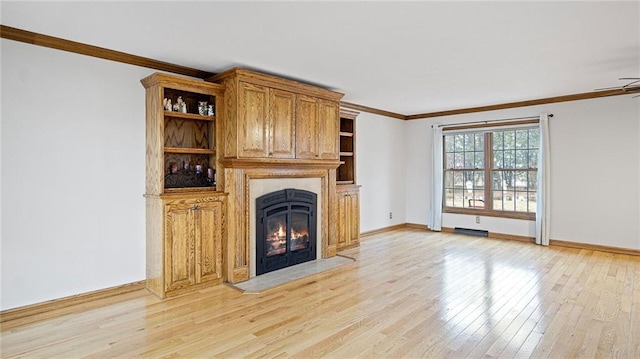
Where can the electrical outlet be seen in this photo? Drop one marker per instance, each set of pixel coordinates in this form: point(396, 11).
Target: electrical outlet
point(390, 215)
point(477, 219)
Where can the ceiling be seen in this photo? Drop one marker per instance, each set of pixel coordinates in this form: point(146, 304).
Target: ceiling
point(403, 57)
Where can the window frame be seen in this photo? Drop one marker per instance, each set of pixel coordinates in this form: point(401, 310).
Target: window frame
point(487, 131)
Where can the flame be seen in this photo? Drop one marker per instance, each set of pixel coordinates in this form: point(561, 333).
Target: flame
point(281, 232)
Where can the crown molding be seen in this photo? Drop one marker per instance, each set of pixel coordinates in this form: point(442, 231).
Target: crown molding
point(12, 33)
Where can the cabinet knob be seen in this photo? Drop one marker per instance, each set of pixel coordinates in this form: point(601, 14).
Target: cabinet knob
point(270, 154)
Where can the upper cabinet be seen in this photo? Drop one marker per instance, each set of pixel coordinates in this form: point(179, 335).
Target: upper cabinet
point(272, 117)
point(181, 133)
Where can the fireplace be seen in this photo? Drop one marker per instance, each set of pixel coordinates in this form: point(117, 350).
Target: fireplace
point(285, 229)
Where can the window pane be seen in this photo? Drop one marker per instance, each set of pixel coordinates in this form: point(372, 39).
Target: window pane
point(469, 142)
point(479, 142)
point(459, 160)
point(498, 159)
point(449, 160)
point(509, 140)
point(533, 181)
point(521, 180)
point(479, 179)
point(497, 200)
point(498, 181)
point(533, 158)
point(458, 180)
point(458, 198)
point(469, 160)
point(532, 201)
point(509, 160)
point(522, 158)
point(448, 179)
point(534, 138)
point(448, 197)
point(498, 138)
point(459, 143)
point(479, 160)
point(521, 201)
point(448, 143)
point(522, 139)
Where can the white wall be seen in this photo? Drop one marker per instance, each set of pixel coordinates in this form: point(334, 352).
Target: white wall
point(73, 163)
point(380, 170)
point(595, 172)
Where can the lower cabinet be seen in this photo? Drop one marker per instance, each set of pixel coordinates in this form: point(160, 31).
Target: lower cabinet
point(190, 255)
point(348, 216)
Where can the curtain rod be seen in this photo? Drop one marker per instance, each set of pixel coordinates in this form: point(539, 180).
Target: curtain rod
point(490, 121)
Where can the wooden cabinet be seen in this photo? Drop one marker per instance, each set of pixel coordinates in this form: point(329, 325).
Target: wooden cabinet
point(193, 241)
point(348, 216)
point(181, 143)
point(282, 125)
point(328, 127)
point(347, 189)
point(272, 117)
point(185, 252)
point(307, 127)
point(185, 215)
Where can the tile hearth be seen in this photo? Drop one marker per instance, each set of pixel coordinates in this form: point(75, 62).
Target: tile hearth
point(273, 279)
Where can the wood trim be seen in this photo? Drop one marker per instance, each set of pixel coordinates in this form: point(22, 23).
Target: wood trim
point(276, 82)
point(12, 33)
point(489, 124)
point(383, 230)
point(375, 111)
point(279, 163)
point(525, 216)
point(56, 304)
point(422, 227)
point(594, 247)
point(541, 101)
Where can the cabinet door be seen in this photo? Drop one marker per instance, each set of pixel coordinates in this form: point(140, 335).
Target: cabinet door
point(253, 126)
point(179, 246)
point(343, 220)
point(282, 124)
point(208, 239)
point(328, 130)
point(354, 217)
point(306, 127)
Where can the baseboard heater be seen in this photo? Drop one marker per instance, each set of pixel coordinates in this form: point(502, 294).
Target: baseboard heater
point(471, 232)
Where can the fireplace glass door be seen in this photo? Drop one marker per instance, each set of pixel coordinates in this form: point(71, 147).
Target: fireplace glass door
point(285, 229)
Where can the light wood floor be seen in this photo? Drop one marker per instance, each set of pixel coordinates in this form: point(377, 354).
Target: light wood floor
point(410, 294)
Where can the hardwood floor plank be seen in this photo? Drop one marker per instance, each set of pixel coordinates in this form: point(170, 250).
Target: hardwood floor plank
point(410, 293)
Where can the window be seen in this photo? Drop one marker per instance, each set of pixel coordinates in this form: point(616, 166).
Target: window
point(491, 172)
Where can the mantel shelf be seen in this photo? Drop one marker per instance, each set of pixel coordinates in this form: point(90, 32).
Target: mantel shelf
point(188, 116)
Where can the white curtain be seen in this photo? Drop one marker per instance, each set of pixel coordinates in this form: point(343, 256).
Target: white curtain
point(542, 204)
point(434, 221)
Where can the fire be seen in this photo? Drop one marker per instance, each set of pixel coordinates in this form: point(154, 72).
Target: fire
point(281, 232)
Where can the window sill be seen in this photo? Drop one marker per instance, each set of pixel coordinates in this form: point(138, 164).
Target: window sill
point(490, 213)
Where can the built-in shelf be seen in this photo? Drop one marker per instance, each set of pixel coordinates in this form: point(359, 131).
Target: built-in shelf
point(189, 116)
point(192, 151)
point(346, 134)
point(346, 154)
point(344, 182)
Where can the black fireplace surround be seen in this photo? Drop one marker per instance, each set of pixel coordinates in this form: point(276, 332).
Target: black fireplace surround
point(285, 229)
